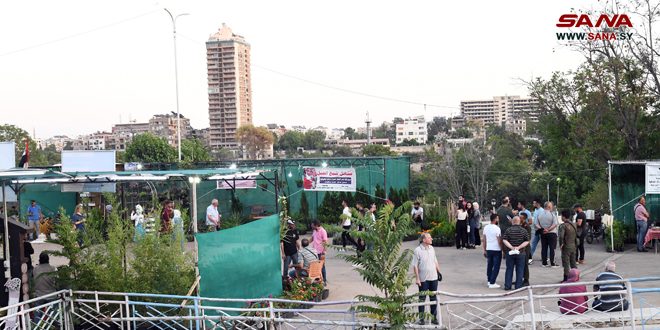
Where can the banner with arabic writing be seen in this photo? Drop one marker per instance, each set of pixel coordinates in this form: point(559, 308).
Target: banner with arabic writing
point(329, 179)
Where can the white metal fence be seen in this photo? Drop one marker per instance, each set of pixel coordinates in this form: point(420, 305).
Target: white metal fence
point(533, 307)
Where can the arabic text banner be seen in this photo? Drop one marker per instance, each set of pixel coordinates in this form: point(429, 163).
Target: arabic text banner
point(329, 179)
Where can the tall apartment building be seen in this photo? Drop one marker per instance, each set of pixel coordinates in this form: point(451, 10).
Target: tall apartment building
point(229, 86)
point(501, 109)
point(130, 129)
point(413, 128)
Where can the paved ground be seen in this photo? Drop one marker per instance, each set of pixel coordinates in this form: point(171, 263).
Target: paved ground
point(464, 271)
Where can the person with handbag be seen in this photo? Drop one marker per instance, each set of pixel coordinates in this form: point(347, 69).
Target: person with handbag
point(426, 268)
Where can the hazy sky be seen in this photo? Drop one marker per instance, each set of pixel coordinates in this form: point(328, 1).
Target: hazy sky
point(73, 67)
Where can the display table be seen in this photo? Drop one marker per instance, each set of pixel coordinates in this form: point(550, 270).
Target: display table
point(652, 234)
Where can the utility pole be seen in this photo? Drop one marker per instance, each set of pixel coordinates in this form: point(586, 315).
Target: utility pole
point(368, 122)
point(176, 81)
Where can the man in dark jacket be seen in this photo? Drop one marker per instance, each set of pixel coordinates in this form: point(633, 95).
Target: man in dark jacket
point(506, 214)
point(567, 243)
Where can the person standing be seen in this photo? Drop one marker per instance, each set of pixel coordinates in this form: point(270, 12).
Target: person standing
point(492, 251)
point(166, 217)
point(78, 221)
point(642, 218)
point(505, 213)
point(516, 240)
point(536, 230)
point(525, 224)
point(34, 216)
point(347, 216)
point(475, 224)
point(417, 214)
point(522, 209)
point(581, 225)
point(461, 228)
point(213, 216)
point(548, 223)
point(319, 240)
point(568, 242)
point(289, 246)
point(426, 268)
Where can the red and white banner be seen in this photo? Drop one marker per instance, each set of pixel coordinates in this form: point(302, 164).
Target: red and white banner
point(329, 179)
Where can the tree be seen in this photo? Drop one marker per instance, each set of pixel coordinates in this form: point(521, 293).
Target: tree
point(314, 140)
point(45, 157)
point(461, 133)
point(342, 151)
point(385, 265)
point(304, 207)
point(437, 125)
point(193, 150)
point(349, 132)
point(374, 150)
point(254, 139)
point(409, 142)
point(148, 148)
point(11, 133)
point(291, 140)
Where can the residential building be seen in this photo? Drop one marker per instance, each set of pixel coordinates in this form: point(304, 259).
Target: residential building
point(476, 126)
point(355, 144)
point(59, 141)
point(165, 126)
point(300, 129)
point(131, 128)
point(330, 133)
point(499, 109)
point(229, 86)
point(276, 129)
point(94, 141)
point(413, 128)
point(516, 124)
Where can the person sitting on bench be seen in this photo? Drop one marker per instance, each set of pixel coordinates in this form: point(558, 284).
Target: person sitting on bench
point(610, 302)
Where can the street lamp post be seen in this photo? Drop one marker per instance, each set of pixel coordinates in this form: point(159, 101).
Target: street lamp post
point(176, 81)
point(558, 181)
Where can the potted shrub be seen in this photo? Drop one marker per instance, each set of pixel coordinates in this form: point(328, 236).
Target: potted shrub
point(619, 236)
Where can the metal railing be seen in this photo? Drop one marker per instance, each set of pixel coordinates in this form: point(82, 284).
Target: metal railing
point(533, 307)
point(536, 307)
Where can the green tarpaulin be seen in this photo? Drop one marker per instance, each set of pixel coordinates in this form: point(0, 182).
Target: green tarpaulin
point(241, 262)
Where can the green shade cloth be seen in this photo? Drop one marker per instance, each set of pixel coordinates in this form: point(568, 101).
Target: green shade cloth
point(628, 183)
point(241, 262)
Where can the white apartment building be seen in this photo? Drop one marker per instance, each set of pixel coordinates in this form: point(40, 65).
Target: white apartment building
point(59, 141)
point(413, 128)
point(499, 109)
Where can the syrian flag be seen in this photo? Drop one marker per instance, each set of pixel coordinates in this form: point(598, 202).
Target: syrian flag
point(25, 158)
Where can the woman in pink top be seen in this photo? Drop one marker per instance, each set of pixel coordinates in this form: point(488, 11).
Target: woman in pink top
point(573, 305)
point(319, 240)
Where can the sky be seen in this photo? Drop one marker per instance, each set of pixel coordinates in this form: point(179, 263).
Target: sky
point(76, 67)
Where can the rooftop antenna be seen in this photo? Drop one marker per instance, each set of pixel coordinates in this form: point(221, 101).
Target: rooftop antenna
point(368, 122)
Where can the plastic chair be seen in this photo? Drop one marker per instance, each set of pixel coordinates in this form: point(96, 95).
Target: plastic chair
point(315, 268)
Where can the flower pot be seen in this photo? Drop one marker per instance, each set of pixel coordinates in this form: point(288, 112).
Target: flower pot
point(325, 294)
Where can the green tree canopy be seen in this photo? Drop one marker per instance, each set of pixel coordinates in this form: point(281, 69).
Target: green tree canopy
point(148, 148)
point(254, 139)
point(377, 150)
point(193, 150)
point(314, 140)
point(291, 140)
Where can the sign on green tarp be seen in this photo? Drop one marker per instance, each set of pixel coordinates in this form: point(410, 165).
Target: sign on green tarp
point(242, 262)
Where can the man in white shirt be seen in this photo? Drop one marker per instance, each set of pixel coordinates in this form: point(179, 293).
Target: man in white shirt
point(213, 216)
point(417, 214)
point(346, 215)
point(426, 268)
point(493, 250)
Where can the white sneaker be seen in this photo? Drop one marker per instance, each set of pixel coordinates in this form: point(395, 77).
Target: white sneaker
point(530, 261)
point(493, 286)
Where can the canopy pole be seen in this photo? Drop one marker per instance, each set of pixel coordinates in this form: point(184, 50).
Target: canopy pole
point(609, 174)
point(193, 217)
point(6, 220)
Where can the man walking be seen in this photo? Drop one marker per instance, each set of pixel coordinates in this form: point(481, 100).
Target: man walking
point(516, 240)
point(505, 214)
point(642, 218)
point(213, 216)
point(426, 268)
point(548, 223)
point(34, 216)
point(492, 251)
point(319, 240)
point(289, 246)
point(536, 234)
point(581, 225)
point(346, 216)
point(567, 243)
